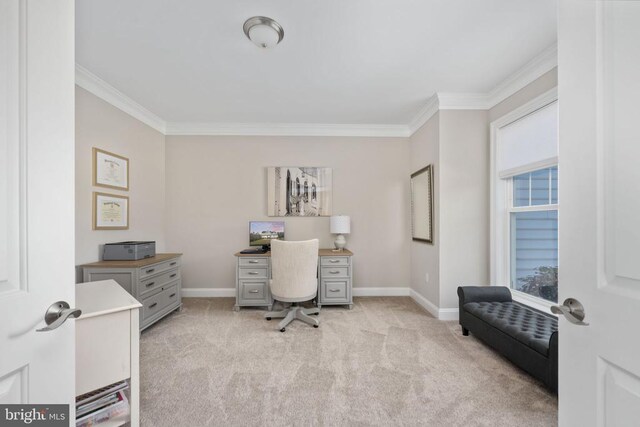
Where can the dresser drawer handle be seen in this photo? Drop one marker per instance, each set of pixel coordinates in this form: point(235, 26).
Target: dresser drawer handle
point(153, 305)
point(334, 272)
point(334, 261)
point(334, 290)
point(173, 263)
point(253, 261)
point(254, 291)
point(172, 295)
point(148, 285)
point(173, 275)
point(151, 270)
point(253, 273)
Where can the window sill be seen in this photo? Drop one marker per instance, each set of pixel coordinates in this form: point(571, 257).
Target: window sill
point(533, 302)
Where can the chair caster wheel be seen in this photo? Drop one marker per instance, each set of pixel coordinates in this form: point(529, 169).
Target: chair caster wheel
point(268, 318)
point(315, 326)
point(282, 330)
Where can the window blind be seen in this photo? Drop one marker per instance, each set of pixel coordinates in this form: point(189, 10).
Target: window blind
point(528, 143)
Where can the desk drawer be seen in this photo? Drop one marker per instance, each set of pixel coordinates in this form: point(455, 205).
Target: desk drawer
point(334, 261)
point(155, 303)
point(152, 270)
point(150, 286)
point(254, 291)
point(329, 272)
point(253, 262)
point(253, 273)
point(334, 290)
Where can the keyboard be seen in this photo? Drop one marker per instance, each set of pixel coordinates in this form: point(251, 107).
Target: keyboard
point(253, 251)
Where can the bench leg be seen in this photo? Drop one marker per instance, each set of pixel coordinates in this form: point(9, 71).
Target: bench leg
point(465, 331)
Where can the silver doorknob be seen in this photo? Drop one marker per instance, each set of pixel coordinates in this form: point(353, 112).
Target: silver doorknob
point(572, 310)
point(57, 314)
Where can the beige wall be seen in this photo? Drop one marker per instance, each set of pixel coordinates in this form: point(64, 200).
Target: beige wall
point(425, 258)
point(542, 84)
point(464, 199)
point(99, 124)
point(216, 185)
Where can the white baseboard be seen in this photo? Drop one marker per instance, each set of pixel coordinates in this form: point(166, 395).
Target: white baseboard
point(208, 292)
point(438, 313)
point(381, 292)
point(424, 303)
point(448, 314)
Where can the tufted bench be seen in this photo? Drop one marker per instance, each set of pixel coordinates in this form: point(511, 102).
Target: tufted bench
point(525, 336)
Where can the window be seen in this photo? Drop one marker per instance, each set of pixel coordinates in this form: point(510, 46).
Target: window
point(533, 231)
point(525, 201)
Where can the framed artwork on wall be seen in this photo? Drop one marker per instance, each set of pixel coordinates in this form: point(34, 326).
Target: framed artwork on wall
point(110, 170)
point(422, 205)
point(110, 212)
point(299, 191)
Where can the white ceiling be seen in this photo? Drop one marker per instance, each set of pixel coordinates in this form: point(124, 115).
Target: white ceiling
point(341, 62)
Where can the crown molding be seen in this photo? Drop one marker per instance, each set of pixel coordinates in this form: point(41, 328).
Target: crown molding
point(544, 62)
point(429, 110)
point(94, 84)
point(541, 64)
point(287, 129)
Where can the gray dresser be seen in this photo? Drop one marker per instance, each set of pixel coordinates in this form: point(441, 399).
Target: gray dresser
point(335, 277)
point(155, 282)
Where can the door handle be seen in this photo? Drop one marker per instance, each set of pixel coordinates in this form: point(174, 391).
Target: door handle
point(572, 310)
point(57, 314)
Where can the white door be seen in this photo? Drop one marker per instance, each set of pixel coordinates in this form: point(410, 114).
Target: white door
point(36, 199)
point(599, 99)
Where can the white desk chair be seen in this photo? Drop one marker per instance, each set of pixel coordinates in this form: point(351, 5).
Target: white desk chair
point(294, 269)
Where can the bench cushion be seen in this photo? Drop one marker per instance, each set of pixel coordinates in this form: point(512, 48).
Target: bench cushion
point(526, 325)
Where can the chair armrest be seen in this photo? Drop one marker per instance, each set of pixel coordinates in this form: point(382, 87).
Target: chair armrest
point(468, 294)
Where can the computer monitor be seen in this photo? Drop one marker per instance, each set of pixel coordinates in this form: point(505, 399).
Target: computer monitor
point(261, 233)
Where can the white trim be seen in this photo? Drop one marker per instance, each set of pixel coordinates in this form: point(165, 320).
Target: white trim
point(531, 301)
point(424, 114)
point(425, 303)
point(288, 129)
point(448, 314)
point(541, 64)
point(498, 225)
point(546, 61)
point(208, 292)
point(445, 314)
point(537, 103)
point(94, 84)
point(530, 167)
point(381, 292)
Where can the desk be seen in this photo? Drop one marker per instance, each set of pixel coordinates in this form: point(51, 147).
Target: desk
point(335, 277)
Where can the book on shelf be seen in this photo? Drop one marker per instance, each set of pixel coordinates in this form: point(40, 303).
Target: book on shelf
point(102, 404)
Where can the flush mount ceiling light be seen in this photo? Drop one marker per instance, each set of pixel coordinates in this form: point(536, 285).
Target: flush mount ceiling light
point(263, 32)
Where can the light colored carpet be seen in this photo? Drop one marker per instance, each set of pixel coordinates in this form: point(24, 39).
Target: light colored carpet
point(386, 362)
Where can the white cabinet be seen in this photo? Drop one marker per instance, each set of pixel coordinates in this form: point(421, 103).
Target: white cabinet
point(108, 342)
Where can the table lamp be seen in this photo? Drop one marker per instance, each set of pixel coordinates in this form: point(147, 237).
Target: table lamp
point(340, 225)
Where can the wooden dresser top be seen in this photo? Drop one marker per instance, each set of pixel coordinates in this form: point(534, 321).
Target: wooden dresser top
point(132, 264)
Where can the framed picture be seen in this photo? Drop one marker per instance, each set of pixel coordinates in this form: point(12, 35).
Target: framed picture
point(110, 170)
point(422, 205)
point(299, 191)
point(110, 212)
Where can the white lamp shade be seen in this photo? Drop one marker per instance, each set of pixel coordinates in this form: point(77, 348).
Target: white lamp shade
point(264, 36)
point(340, 224)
